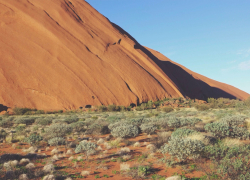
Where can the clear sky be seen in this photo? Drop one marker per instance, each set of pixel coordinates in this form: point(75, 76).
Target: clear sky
point(210, 37)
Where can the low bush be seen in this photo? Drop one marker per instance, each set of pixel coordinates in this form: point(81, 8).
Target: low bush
point(148, 128)
point(6, 123)
point(117, 124)
point(125, 131)
point(234, 121)
point(161, 139)
point(97, 128)
point(3, 134)
point(222, 130)
point(137, 172)
point(113, 107)
point(182, 133)
point(202, 107)
point(56, 141)
point(33, 139)
point(87, 147)
point(78, 126)
point(70, 120)
point(20, 128)
point(102, 108)
point(230, 162)
point(167, 109)
point(182, 149)
point(22, 111)
point(27, 120)
point(43, 121)
point(218, 129)
point(57, 130)
point(189, 121)
point(174, 122)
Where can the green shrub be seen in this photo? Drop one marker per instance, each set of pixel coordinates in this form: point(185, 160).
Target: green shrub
point(183, 148)
point(54, 121)
point(138, 171)
point(167, 109)
point(122, 108)
point(117, 124)
point(97, 128)
point(230, 162)
point(43, 121)
point(6, 123)
point(78, 126)
point(129, 108)
point(218, 129)
point(174, 122)
point(70, 120)
point(111, 108)
point(125, 131)
point(239, 133)
point(58, 130)
point(189, 121)
point(102, 108)
point(56, 141)
point(182, 133)
point(222, 130)
point(33, 139)
point(28, 120)
point(138, 108)
point(22, 111)
point(233, 121)
point(87, 147)
point(202, 107)
point(3, 134)
point(148, 128)
point(20, 128)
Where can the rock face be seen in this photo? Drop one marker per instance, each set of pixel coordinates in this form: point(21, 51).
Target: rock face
point(63, 54)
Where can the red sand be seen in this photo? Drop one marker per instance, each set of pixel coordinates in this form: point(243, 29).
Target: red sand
point(63, 54)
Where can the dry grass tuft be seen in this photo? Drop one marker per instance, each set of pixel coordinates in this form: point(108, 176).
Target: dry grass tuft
point(230, 142)
point(124, 167)
point(123, 150)
point(100, 141)
point(137, 144)
point(30, 166)
point(85, 173)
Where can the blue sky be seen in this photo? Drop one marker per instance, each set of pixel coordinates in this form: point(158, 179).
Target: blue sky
point(210, 37)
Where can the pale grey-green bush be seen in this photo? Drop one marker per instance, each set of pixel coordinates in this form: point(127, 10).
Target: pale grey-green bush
point(189, 121)
point(218, 129)
point(234, 121)
point(117, 124)
point(56, 141)
point(27, 120)
point(222, 130)
point(174, 122)
point(86, 147)
point(58, 130)
point(70, 120)
point(33, 139)
point(182, 133)
point(43, 121)
point(125, 131)
point(78, 126)
point(183, 148)
point(97, 128)
point(148, 128)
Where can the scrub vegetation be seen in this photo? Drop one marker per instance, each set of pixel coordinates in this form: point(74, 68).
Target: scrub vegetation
point(185, 138)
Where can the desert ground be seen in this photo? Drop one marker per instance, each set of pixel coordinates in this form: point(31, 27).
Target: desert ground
point(172, 138)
